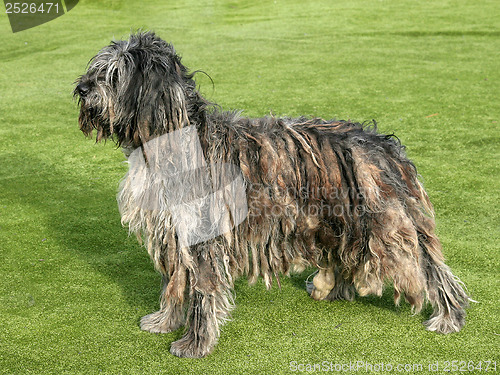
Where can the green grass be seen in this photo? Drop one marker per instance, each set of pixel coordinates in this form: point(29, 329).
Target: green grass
point(73, 286)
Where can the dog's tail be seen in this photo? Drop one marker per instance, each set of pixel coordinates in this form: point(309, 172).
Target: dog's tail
point(445, 291)
point(447, 296)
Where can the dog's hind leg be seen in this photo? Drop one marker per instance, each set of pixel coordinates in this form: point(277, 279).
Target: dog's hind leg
point(330, 284)
point(392, 254)
point(322, 283)
point(171, 315)
point(343, 289)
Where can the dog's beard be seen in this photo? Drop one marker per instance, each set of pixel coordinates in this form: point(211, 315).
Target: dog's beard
point(92, 118)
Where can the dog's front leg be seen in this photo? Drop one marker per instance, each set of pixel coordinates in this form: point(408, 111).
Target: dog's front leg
point(171, 314)
point(202, 329)
point(210, 304)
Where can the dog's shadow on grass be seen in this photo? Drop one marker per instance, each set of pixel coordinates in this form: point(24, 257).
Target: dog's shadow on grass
point(77, 198)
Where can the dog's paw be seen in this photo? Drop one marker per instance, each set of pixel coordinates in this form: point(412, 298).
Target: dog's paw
point(342, 292)
point(158, 323)
point(446, 323)
point(192, 346)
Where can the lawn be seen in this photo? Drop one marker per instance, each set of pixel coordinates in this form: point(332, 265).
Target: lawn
point(73, 286)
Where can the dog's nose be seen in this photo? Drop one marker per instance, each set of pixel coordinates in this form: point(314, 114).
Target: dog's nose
point(83, 89)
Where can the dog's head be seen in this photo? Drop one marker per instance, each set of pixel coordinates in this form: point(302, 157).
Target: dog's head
point(135, 90)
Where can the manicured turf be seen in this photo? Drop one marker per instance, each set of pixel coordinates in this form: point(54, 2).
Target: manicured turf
point(73, 286)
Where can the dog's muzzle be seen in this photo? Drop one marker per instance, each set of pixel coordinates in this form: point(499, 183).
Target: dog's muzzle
point(82, 89)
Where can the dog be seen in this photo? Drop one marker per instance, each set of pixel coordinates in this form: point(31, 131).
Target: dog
point(215, 195)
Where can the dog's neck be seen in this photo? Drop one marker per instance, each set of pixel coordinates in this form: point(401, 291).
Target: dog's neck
point(127, 150)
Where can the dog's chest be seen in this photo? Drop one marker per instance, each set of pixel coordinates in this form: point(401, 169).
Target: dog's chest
point(170, 187)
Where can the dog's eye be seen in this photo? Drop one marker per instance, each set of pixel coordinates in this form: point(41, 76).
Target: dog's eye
point(99, 77)
point(109, 78)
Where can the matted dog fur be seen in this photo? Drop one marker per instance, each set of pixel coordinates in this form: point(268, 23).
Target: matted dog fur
point(335, 195)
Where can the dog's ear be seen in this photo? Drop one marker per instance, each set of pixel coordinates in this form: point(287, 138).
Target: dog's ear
point(153, 100)
point(127, 103)
point(162, 101)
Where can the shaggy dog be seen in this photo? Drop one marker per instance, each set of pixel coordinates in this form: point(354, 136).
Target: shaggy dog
point(215, 195)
